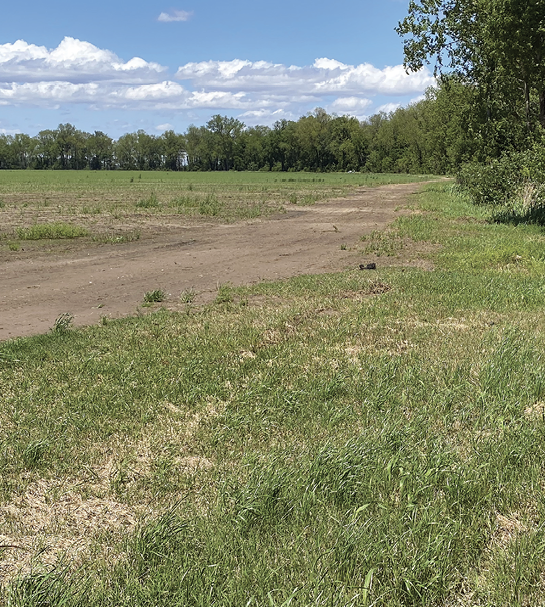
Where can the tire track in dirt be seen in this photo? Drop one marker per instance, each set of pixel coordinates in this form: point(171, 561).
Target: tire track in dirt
point(110, 280)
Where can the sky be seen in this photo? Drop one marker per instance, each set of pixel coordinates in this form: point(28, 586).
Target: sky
point(119, 66)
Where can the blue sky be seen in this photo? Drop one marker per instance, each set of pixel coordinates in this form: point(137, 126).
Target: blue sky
point(121, 66)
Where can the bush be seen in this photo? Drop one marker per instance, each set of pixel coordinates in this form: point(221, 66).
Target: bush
point(515, 183)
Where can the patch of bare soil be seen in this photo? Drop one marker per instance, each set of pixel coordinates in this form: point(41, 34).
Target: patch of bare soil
point(111, 279)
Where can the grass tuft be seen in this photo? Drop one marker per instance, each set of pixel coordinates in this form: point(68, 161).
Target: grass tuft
point(155, 296)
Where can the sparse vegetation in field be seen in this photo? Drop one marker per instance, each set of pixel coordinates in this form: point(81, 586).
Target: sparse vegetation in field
point(52, 231)
point(116, 238)
point(150, 202)
point(387, 243)
point(116, 200)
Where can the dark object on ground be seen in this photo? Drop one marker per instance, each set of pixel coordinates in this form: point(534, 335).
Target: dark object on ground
point(369, 266)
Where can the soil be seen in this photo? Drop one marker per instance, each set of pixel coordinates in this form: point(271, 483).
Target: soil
point(110, 280)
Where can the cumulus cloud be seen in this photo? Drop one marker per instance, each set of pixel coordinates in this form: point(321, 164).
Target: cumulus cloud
point(324, 77)
point(175, 16)
point(350, 105)
point(387, 108)
point(78, 72)
point(73, 61)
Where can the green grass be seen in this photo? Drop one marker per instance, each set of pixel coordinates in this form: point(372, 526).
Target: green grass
point(155, 296)
point(51, 231)
point(339, 439)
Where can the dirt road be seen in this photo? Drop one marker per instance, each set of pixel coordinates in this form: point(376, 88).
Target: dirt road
point(111, 280)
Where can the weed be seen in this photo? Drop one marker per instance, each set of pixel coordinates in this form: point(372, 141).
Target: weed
point(155, 296)
point(151, 202)
point(343, 247)
point(13, 246)
point(188, 296)
point(63, 322)
point(293, 198)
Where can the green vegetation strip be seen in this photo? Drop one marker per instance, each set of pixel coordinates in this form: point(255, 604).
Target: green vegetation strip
point(365, 438)
point(44, 231)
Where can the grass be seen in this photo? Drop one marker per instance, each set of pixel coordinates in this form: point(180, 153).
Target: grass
point(52, 231)
point(155, 296)
point(339, 439)
point(131, 236)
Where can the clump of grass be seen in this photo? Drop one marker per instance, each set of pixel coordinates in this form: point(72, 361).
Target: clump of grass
point(155, 296)
point(52, 231)
point(188, 296)
point(63, 322)
point(293, 198)
point(151, 202)
point(225, 294)
point(211, 206)
point(13, 246)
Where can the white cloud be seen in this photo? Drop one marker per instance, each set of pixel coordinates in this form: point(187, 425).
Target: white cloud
point(175, 16)
point(350, 105)
point(164, 127)
point(324, 77)
point(72, 61)
point(387, 108)
point(79, 73)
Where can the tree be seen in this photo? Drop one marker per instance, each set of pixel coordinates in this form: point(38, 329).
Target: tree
point(498, 46)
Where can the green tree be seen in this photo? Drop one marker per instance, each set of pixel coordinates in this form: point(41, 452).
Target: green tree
point(496, 45)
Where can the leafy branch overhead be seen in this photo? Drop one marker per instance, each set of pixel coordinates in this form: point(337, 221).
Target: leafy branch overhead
point(496, 45)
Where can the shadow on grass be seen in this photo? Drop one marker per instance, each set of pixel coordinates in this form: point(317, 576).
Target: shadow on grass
point(533, 215)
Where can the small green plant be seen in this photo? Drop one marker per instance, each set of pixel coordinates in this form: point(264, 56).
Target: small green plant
point(63, 322)
point(151, 202)
point(343, 247)
point(155, 296)
point(293, 198)
point(188, 296)
point(2, 204)
point(13, 246)
point(224, 294)
point(51, 231)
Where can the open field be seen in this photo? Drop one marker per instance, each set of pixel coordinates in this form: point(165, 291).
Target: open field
point(59, 267)
point(113, 207)
point(353, 438)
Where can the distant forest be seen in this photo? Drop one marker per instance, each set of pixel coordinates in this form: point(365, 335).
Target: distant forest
point(434, 135)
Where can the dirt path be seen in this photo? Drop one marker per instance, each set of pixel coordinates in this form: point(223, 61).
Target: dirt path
point(110, 280)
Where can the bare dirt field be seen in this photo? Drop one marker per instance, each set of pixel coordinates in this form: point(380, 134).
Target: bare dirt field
point(110, 280)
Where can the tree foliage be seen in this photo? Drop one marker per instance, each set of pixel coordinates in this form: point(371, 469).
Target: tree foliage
point(497, 46)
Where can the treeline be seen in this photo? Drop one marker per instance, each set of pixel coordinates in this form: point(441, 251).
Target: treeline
point(433, 135)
